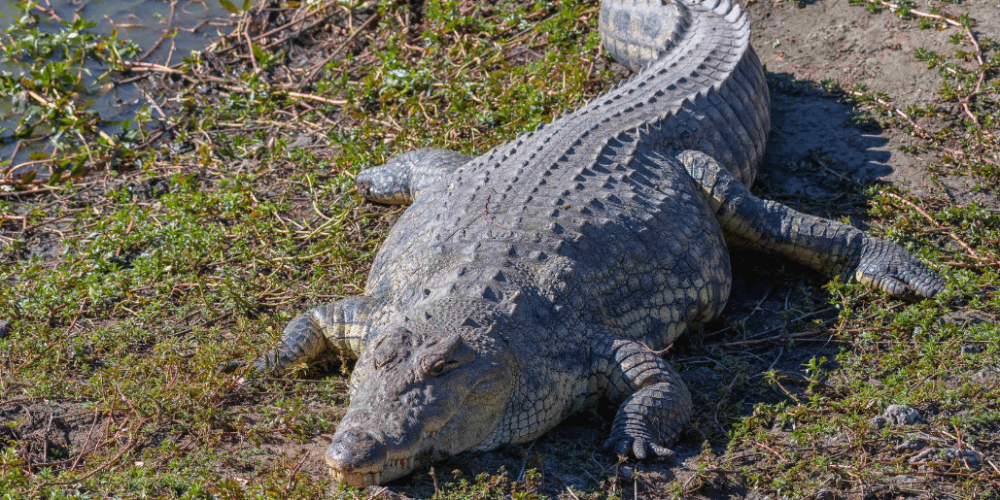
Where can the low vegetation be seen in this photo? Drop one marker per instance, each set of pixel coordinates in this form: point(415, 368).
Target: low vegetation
point(144, 254)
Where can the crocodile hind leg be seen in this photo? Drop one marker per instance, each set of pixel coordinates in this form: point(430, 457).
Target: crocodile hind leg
point(831, 247)
point(400, 180)
point(655, 403)
point(340, 326)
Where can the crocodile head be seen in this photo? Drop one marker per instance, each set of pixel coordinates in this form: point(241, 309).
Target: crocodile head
point(418, 393)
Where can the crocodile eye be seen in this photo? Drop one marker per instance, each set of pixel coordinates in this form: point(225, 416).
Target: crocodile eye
point(444, 355)
point(434, 367)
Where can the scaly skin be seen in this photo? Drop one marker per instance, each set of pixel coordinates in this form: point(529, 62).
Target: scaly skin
point(539, 278)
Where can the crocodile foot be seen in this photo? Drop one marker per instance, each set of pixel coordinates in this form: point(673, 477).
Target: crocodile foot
point(638, 447)
point(650, 420)
point(888, 267)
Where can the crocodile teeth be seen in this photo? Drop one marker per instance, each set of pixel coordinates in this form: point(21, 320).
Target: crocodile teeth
point(404, 464)
point(356, 479)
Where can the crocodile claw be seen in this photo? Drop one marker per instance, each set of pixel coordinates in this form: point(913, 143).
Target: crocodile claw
point(637, 447)
point(888, 267)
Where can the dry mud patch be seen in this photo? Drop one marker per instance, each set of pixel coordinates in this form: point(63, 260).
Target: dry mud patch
point(833, 40)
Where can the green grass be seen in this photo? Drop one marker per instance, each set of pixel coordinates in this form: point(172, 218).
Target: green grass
point(197, 238)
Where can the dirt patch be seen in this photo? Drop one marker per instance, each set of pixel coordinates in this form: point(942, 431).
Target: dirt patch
point(48, 435)
point(833, 40)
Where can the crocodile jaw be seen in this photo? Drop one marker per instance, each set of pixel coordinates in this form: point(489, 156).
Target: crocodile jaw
point(400, 416)
point(356, 479)
point(392, 469)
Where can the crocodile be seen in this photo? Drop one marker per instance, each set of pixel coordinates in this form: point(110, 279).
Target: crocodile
point(546, 276)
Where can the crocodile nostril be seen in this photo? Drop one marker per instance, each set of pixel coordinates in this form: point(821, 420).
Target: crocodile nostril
point(356, 450)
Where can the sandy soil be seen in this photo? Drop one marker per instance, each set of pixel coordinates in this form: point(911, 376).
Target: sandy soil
point(831, 39)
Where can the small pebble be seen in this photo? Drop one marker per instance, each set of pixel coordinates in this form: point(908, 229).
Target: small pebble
point(911, 445)
point(949, 455)
point(905, 480)
point(898, 415)
point(970, 349)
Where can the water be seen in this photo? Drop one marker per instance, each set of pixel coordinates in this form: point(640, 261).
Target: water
point(198, 23)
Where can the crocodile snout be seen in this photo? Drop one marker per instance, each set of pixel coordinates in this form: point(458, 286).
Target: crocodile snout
point(356, 458)
point(356, 450)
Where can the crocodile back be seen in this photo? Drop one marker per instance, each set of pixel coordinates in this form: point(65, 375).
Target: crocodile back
point(699, 84)
point(482, 231)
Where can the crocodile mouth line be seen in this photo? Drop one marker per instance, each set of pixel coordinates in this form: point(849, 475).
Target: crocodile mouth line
point(391, 469)
point(356, 479)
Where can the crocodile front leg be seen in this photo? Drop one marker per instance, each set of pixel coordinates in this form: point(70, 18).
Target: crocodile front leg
point(655, 403)
point(831, 247)
point(340, 326)
point(400, 180)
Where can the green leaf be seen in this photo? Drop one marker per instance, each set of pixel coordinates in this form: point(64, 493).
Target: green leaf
point(246, 4)
point(230, 6)
point(257, 53)
point(28, 177)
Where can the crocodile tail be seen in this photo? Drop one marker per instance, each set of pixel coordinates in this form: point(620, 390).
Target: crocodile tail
point(698, 80)
point(637, 33)
point(699, 86)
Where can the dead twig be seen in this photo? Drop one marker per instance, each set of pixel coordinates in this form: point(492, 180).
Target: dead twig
point(930, 219)
point(771, 450)
point(129, 445)
point(437, 489)
point(293, 473)
point(86, 443)
point(917, 128)
point(317, 69)
point(486, 213)
point(968, 34)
